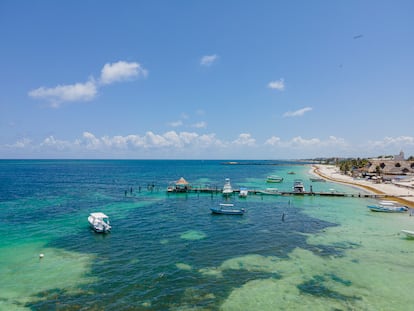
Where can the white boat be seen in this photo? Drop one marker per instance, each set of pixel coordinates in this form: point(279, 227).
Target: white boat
point(274, 179)
point(99, 222)
point(227, 209)
point(227, 189)
point(408, 233)
point(298, 186)
point(243, 193)
point(388, 207)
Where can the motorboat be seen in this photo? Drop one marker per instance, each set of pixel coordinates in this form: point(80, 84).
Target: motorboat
point(298, 186)
point(227, 188)
point(274, 179)
point(408, 233)
point(227, 209)
point(99, 222)
point(388, 207)
point(243, 193)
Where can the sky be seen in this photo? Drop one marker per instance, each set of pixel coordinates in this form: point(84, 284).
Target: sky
point(232, 79)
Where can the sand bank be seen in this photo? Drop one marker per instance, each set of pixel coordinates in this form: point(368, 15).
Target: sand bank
point(332, 173)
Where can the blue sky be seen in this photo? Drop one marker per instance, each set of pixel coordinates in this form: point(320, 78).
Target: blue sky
point(206, 79)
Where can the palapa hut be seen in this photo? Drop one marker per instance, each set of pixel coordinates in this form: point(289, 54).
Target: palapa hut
point(182, 185)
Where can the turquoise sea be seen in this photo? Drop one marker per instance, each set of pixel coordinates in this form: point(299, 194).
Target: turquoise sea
point(168, 252)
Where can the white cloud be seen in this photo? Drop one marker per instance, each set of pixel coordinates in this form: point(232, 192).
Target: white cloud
point(66, 93)
point(81, 92)
point(297, 113)
point(200, 125)
point(208, 60)
point(299, 141)
point(176, 123)
point(90, 141)
point(245, 139)
point(51, 141)
point(277, 85)
point(174, 144)
point(393, 141)
point(21, 144)
point(121, 71)
point(273, 141)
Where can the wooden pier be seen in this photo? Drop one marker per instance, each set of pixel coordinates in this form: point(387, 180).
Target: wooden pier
point(292, 193)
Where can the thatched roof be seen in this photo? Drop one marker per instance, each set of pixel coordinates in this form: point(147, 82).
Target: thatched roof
point(181, 181)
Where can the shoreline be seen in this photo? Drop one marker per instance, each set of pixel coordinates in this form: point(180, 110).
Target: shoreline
point(331, 173)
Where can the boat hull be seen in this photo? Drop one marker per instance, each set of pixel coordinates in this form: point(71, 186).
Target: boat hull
point(386, 209)
point(98, 224)
point(408, 233)
point(220, 211)
point(274, 179)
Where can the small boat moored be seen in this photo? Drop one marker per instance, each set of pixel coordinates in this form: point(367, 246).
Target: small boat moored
point(99, 222)
point(388, 207)
point(227, 209)
point(274, 179)
point(298, 186)
point(227, 188)
point(243, 193)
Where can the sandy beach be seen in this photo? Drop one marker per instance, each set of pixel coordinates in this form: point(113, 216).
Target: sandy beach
point(332, 173)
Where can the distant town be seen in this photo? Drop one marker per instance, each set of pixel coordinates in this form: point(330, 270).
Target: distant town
point(382, 167)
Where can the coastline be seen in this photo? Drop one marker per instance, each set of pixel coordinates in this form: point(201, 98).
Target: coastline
point(331, 173)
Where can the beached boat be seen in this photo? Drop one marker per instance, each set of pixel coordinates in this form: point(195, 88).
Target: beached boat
point(408, 233)
point(227, 209)
point(274, 179)
point(388, 207)
point(270, 191)
point(227, 189)
point(243, 193)
point(99, 222)
point(298, 186)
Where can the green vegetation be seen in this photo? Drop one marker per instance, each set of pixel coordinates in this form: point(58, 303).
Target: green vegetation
point(348, 164)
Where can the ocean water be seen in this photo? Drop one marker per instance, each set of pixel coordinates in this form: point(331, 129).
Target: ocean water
point(168, 252)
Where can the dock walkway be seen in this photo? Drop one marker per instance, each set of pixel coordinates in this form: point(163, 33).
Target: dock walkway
point(293, 193)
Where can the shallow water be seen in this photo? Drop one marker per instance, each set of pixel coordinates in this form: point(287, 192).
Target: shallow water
point(168, 252)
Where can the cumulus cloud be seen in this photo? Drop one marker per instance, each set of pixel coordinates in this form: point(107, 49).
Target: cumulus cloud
point(66, 93)
point(21, 143)
point(51, 141)
point(121, 71)
point(300, 142)
point(393, 141)
point(208, 60)
point(273, 141)
point(297, 113)
point(81, 92)
point(189, 144)
point(245, 139)
point(277, 85)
